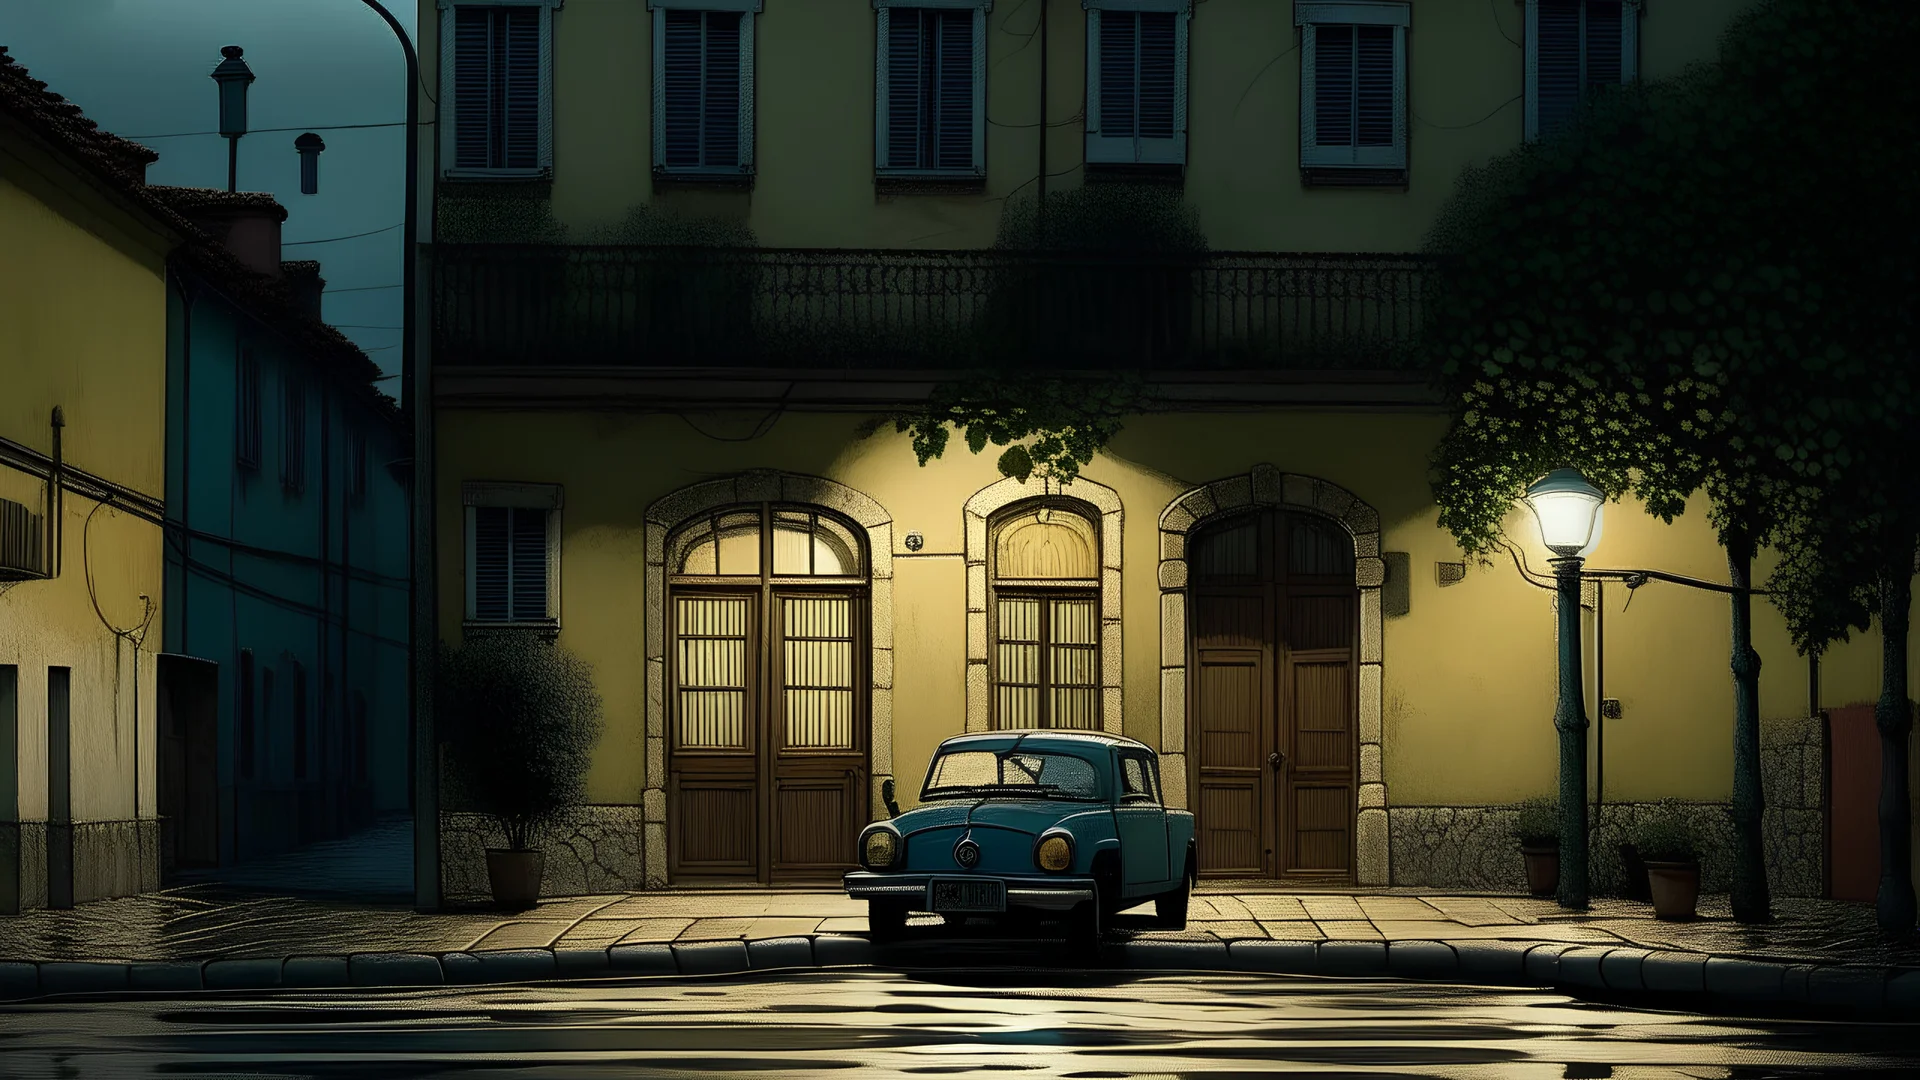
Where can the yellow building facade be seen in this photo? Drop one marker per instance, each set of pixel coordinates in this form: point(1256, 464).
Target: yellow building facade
point(785, 611)
point(82, 460)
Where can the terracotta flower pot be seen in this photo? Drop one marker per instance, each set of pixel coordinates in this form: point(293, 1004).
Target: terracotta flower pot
point(515, 877)
point(1675, 887)
point(1543, 868)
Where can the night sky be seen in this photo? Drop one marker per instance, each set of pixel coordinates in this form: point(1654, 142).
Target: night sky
point(140, 69)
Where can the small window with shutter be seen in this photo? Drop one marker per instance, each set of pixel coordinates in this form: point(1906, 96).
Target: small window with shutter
point(293, 434)
point(1353, 91)
point(512, 552)
point(1137, 81)
point(1573, 48)
point(496, 87)
point(703, 87)
point(930, 88)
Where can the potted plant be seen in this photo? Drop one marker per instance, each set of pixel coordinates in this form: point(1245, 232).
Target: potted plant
point(519, 716)
point(1670, 847)
point(1537, 826)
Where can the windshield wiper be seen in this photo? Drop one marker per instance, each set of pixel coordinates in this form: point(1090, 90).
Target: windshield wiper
point(1040, 790)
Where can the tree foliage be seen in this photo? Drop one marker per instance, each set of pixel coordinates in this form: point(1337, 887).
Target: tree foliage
point(519, 716)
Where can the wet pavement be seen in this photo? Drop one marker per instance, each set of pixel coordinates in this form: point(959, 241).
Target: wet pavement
point(203, 922)
point(372, 865)
point(955, 1022)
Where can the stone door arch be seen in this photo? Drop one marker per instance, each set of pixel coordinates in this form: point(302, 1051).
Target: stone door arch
point(1265, 485)
point(762, 486)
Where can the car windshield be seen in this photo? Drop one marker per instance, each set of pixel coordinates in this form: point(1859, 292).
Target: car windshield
point(1024, 774)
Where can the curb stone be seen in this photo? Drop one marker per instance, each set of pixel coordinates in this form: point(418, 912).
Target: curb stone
point(394, 969)
point(82, 977)
point(1275, 957)
point(1622, 969)
point(1745, 979)
point(1422, 960)
point(163, 975)
point(252, 974)
point(315, 972)
point(711, 957)
point(1844, 988)
point(1580, 966)
point(1674, 973)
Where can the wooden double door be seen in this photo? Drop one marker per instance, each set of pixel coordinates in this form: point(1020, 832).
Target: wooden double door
point(767, 740)
point(1271, 712)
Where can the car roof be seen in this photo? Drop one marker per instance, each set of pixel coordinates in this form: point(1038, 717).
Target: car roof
point(1041, 739)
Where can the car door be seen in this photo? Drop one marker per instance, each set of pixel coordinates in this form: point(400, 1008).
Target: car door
point(1141, 822)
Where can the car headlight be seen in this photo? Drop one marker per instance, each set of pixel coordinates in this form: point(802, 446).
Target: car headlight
point(1054, 853)
point(879, 849)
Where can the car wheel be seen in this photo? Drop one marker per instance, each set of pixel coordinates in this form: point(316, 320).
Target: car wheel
point(1171, 907)
point(886, 920)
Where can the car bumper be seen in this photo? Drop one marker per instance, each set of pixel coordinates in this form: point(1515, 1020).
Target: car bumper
point(1023, 893)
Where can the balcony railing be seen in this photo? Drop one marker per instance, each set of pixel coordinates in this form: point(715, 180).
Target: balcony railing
point(540, 305)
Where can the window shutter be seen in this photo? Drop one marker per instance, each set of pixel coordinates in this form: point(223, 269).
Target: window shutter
point(1557, 63)
point(1118, 89)
point(1333, 86)
point(529, 564)
point(1373, 93)
point(684, 65)
point(1603, 43)
point(953, 117)
point(904, 80)
point(1156, 83)
point(471, 77)
point(491, 575)
point(720, 139)
point(519, 82)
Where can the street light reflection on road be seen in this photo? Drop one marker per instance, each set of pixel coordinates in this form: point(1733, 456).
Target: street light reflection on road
point(1079, 1024)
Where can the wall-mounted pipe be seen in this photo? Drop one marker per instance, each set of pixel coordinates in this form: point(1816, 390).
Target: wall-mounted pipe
point(56, 498)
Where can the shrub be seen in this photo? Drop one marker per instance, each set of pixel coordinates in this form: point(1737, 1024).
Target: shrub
point(1667, 834)
point(1537, 822)
point(519, 716)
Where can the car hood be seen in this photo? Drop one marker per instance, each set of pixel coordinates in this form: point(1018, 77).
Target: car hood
point(1023, 815)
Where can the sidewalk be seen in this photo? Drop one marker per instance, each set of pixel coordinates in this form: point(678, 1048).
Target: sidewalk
point(206, 936)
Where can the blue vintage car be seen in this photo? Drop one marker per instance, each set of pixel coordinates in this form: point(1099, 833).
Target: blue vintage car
point(1026, 825)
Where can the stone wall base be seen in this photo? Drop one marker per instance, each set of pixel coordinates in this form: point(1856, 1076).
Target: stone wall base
point(599, 851)
point(1472, 847)
point(110, 858)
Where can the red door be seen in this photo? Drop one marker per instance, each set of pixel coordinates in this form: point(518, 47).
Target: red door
point(1853, 804)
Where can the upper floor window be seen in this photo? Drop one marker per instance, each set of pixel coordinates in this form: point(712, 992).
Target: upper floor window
point(930, 84)
point(1046, 618)
point(496, 87)
point(1572, 47)
point(703, 86)
point(246, 419)
point(1137, 81)
point(513, 552)
point(293, 434)
point(1353, 90)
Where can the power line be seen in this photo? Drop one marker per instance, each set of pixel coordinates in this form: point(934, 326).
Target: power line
point(362, 326)
point(350, 236)
point(364, 288)
point(257, 131)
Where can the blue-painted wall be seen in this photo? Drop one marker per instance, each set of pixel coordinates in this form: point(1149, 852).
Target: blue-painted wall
point(315, 577)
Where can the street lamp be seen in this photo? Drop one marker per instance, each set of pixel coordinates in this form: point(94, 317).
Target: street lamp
point(308, 146)
point(1568, 510)
point(233, 75)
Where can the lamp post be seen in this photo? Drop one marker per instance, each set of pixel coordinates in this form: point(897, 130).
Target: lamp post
point(308, 146)
point(233, 76)
point(1567, 508)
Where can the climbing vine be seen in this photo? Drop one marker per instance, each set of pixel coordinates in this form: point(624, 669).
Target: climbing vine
point(1049, 426)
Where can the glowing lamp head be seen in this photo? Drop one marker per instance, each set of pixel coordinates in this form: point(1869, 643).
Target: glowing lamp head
point(1568, 510)
point(879, 849)
point(233, 76)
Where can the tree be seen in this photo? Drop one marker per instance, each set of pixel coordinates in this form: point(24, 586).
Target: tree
point(1655, 296)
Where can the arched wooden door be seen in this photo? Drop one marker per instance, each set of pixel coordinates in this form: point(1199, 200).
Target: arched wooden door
point(1272, 668)
point(767, 722)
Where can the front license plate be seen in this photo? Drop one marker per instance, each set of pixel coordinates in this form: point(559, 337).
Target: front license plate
point(943, 896)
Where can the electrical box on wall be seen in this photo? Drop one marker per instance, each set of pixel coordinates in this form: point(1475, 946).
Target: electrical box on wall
point(1396, 588)
point(1610, 708)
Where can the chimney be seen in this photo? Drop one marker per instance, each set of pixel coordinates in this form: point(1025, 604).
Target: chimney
point(247, 223)
point(305, 285)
